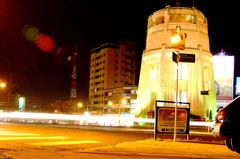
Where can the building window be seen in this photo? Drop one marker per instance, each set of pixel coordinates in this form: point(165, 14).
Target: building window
point(155, 21)
point(109, 93)
point(133, 91)
point(182, 18)
point(183, 72)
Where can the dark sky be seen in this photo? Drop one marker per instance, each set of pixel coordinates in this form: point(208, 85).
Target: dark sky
point(45, 77)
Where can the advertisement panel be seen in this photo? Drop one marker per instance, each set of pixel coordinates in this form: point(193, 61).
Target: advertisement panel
point(166, 120)
point(238, 86)
point(21, 103)
point(223, 67)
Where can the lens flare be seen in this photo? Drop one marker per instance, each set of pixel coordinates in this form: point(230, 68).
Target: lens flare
point(42, 41)
point(30, 33)
point(45, 43)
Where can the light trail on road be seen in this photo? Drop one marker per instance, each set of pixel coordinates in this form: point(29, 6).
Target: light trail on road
point(32, 138)
point(85, 119)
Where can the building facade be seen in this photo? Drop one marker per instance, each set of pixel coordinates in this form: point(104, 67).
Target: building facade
point(111, 66)
point(194, 82)
point(224, 82)
point(120, 100)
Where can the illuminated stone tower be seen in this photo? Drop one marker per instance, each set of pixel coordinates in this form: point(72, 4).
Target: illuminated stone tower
point(158, 71)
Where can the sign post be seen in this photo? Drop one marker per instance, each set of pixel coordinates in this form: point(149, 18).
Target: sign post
point(180, 57)
point(176, 58)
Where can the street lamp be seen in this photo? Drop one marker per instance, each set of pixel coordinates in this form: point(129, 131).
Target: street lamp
point(178, 39)
point(3, 85)
point(177, 42)
point(124, 102)
point(79, 106)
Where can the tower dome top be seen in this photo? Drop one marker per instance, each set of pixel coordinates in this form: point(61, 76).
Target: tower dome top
point(180, 15)
point(162, 22)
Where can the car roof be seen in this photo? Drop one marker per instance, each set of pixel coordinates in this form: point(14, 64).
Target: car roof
point(235, 102)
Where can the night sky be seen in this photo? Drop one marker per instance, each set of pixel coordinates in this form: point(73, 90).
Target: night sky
point(46, 76)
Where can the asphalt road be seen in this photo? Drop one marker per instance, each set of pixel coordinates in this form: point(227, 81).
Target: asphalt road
point(23, 141)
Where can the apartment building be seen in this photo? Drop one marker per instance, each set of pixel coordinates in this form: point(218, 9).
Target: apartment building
point(112, 65)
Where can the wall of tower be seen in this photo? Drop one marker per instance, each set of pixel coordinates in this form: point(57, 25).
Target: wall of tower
point(158, 80)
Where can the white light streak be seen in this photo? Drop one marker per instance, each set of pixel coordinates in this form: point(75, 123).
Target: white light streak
point(103, 120)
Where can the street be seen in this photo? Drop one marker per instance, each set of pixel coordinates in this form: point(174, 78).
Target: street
point(23, 141)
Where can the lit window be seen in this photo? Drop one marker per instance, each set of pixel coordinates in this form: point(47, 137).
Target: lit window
point(183, 72)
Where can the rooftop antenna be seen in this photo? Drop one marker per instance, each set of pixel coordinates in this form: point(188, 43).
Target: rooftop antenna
point(178, 3)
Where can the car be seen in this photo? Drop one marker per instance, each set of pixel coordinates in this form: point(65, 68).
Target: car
point(227, 124)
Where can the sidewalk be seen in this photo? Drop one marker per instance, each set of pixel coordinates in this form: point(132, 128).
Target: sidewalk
point(167, 149)
point(142, 149)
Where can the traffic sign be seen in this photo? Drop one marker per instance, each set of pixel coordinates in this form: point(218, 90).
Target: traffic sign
point(204, 92)
point(187, 57)
point(175, 57)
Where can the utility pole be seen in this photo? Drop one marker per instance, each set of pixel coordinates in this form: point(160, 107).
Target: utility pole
point(9, 91)
point(177, 42)
point(73, 93)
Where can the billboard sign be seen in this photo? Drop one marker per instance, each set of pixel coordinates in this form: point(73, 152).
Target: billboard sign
point(223, 67)
point(238, 86)
point(21, 103)
point(166, 120)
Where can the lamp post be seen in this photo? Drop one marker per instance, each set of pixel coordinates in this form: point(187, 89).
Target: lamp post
point(110, 104)
point(176, 98)
point(177, 42)
point(79, 107)
point(124, 102)
point(4, 89)
point(3, 85)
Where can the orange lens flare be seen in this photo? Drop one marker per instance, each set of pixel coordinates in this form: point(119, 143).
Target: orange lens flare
point(45, 43)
